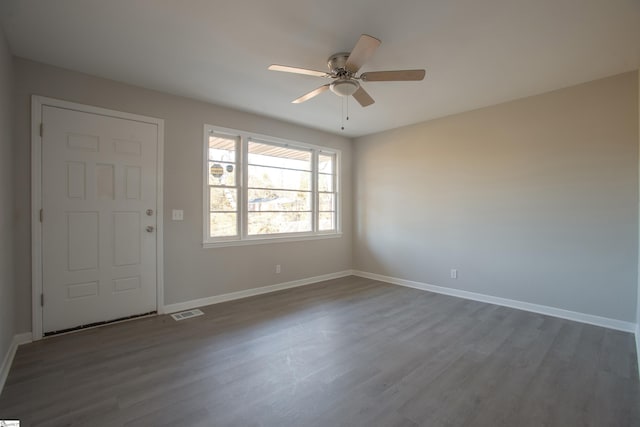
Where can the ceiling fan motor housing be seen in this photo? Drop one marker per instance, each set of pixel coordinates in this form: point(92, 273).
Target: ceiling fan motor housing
point(337, 63)
point(344, 85)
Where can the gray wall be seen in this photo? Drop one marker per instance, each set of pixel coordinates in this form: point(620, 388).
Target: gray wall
point(534, 200)
point(638, 302)
point(7, 284)
point(190, 271)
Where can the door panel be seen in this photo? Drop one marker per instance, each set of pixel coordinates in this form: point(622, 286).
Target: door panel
point(82, 240)
point(98, 182)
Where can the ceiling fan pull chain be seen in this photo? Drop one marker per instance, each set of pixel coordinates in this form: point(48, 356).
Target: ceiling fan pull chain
point(342, 112)
point(347, 107)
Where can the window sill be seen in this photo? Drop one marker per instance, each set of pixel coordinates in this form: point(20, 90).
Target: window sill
point(268, 240)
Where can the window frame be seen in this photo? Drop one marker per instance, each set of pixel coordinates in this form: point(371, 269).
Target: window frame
point(242, 181)
point(207, 186)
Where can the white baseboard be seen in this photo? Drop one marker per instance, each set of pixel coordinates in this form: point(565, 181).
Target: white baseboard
point(17, 340)
point(187, 305)
point(535, 308)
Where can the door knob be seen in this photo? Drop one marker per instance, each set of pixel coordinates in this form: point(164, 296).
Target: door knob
point(149, 228)
point(149, 212)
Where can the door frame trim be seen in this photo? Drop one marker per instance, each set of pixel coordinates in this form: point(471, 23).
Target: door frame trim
point(37, 102)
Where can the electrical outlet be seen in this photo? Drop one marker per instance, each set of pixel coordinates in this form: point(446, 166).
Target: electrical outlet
point(277, 268)
point(454, 273)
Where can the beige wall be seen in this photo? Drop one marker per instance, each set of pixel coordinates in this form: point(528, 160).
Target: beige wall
point(534, 200)
point(190, 271)
point(7, 284)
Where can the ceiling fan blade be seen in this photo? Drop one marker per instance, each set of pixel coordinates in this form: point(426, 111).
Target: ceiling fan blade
point(393, 76)
point(363, 97)
point(297, 70)
point(362, 51)
point(311, 94)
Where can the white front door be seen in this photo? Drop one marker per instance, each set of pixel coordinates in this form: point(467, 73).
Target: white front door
point(99, 218)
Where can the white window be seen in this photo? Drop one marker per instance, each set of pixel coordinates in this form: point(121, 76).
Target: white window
point(258, 188)
point(223, 185)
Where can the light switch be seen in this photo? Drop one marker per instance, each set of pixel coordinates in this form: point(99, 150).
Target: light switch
point(177, 215)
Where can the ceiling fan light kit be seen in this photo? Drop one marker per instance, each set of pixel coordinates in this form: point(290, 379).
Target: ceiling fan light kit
point(344, 87)
point(343, 69)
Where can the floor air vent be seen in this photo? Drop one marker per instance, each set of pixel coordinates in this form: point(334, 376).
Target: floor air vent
point(187, 314)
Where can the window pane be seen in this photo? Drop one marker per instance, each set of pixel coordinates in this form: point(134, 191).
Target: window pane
point(223, 199)
point(325, 163)
point(278, 222)
point(222, 148)
point(326, 221)
point(221, 173)
point(325, 182)
point(278, 156)
point(223, 224)
point(266, 177)
point(326, 202)
point(279, 200)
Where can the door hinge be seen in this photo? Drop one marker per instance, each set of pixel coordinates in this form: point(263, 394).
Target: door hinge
point(41, 300)
point(41, 129)
point(41, 215)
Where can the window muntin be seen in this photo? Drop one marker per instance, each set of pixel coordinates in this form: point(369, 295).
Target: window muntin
point(289, 190)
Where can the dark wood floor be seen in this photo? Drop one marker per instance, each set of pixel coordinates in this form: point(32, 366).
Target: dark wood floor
point(347, 352)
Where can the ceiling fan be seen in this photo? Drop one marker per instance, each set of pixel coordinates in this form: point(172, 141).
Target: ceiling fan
point(343, 69)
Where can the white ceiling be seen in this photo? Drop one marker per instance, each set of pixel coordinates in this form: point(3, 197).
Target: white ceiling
point(476, 53)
